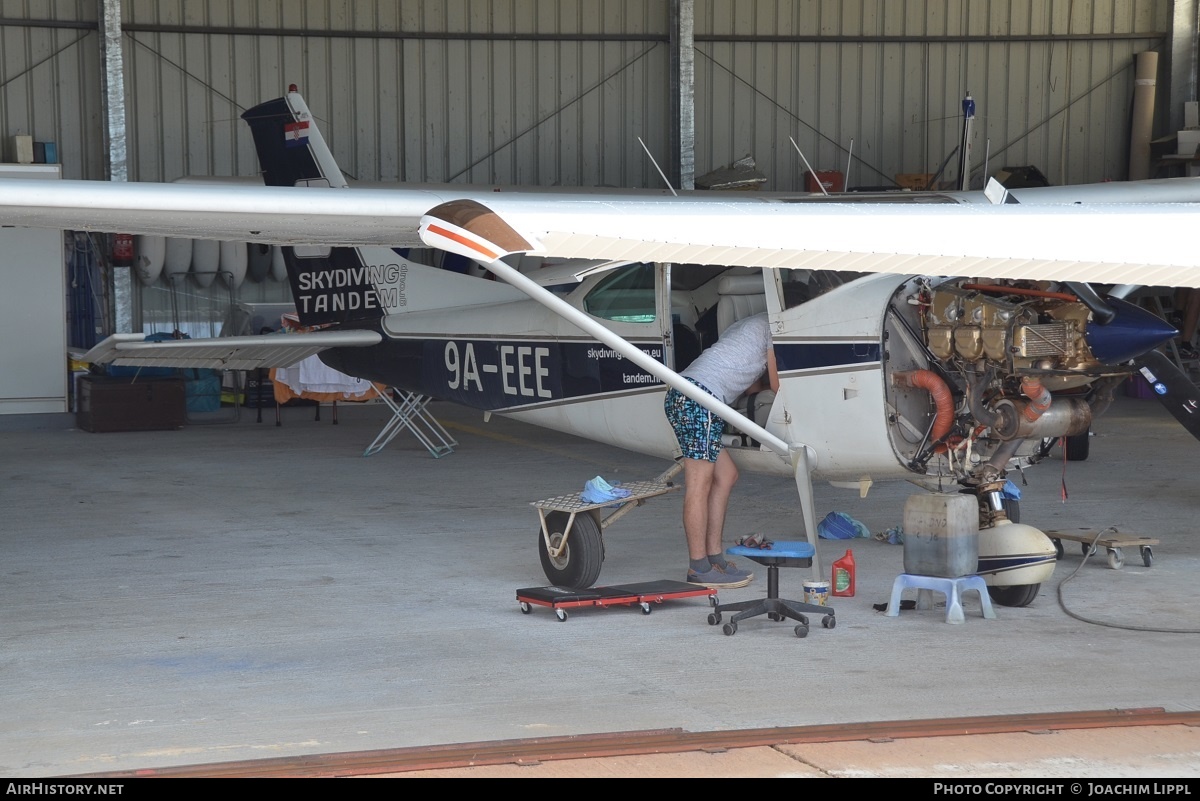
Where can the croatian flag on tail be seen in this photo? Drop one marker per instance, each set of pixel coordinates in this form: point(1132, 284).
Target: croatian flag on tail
point(295, 134)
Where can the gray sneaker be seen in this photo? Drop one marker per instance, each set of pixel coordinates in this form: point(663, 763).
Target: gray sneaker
point(731, 569)
point(717, 579)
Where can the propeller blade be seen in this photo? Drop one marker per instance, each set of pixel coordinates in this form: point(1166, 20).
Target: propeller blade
point(1173, 388)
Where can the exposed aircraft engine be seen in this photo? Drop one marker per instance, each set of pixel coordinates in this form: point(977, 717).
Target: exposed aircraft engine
point(1019, 360)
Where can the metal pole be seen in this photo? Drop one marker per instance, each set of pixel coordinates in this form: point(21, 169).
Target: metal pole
point(113, 98)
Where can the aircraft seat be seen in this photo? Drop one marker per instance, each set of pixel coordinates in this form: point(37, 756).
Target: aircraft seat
point(739, 296)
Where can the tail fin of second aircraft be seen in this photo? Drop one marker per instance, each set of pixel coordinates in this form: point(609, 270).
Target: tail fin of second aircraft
point(344, 284)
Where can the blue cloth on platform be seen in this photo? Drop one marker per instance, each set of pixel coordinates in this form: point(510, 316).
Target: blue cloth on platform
point(597, 490)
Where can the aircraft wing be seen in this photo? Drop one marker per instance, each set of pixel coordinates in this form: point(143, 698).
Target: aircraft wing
point(1144, 243)
point(224, 353)
point(1094, 241)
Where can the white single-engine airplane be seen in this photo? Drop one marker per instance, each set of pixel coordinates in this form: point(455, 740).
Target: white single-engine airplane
point(886, 370)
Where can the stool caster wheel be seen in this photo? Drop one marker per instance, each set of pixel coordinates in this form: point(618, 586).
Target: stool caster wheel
point(645, 608)
point(1115, 558)
point(1087, 549)
point(526, 608)
point(801, 630)
point(829, 621)
point(714, 618)
point(730, 629)
point(562, 615)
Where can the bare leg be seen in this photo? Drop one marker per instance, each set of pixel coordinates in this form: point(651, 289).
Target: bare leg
point(698, 482)
point(725, 475)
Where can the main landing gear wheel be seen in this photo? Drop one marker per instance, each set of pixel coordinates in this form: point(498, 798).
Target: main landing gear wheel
point(1077, 446)
point(1016, 595)
point(579, 564)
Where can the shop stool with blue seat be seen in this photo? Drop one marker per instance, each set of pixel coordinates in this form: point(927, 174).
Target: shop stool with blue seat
point(790, 553)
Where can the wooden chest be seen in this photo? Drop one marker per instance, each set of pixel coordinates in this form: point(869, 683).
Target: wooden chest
point(125, 404)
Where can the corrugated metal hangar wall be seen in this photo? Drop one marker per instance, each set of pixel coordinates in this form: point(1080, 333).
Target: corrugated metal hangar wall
point(551, 92)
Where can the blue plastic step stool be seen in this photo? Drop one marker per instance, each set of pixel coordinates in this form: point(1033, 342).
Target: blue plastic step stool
point(952, 588)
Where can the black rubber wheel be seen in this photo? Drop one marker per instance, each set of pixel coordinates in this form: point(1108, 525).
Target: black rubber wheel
point(526, 608)
point(1087, 549)
point(714, 618)
point(1076, 447)
point(801, 630)
point(1147, 556)
point(829, 621)
point(1016, 595)
point(562, 615)
point(579, 564)
point(773, 616)
point(713, 601)
point(646, 608)
point(1058, 549)
point(730, 629)
point(1012, 508)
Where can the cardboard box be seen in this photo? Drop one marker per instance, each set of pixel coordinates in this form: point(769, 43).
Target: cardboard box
point(914, 180)
point(23, 149)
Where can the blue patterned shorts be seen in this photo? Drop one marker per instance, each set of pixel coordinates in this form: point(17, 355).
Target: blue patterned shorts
point(697, 429)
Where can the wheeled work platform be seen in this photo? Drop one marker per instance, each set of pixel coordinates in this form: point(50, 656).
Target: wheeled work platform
point(569, 537)
point(1113, 542)
point(560, 599)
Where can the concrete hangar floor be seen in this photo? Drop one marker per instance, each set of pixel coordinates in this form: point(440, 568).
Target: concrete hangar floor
point(243, 591)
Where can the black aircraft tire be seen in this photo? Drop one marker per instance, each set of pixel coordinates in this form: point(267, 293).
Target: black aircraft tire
point(578, 566)
point(1016, 595)
point(1077, 447)
point(1012, 508)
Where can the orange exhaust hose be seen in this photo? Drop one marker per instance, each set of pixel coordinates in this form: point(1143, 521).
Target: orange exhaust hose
point(942, 399)
point(1039, 398)
point(1013, 290)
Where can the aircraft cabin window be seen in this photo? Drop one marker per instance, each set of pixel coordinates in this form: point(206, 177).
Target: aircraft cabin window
point(626, 296)
point(801, 286)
